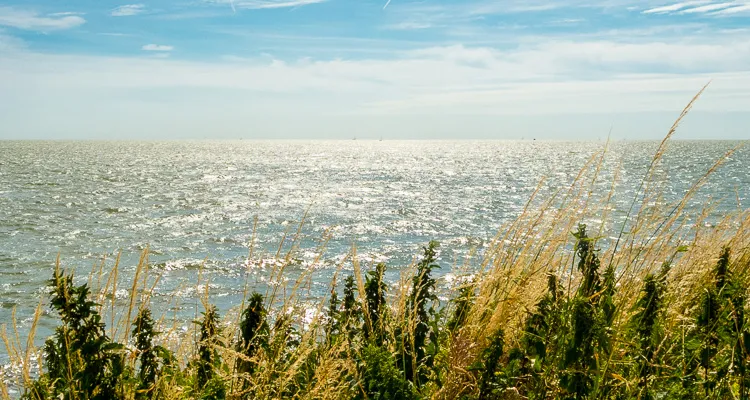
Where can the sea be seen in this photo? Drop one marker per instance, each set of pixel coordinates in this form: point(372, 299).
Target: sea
point(211, 211)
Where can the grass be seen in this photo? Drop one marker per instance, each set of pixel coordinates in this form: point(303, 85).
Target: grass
point(553, 312)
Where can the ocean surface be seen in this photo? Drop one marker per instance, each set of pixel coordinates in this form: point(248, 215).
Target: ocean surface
point(197, 204)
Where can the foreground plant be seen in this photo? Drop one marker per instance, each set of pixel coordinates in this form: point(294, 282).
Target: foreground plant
point(80, 359)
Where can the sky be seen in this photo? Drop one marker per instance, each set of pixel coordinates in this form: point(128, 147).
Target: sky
point(372, 69)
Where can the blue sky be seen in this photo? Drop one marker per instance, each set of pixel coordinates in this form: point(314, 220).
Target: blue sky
point(170, 69)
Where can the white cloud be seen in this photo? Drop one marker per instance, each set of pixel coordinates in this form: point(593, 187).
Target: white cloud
point(709, 7)
point(128, 10)
point(439, 86)
point(264, 4)
point(157, 47)
point(425, 72)
point(514, 7)
point(734, 10)
point(567, 59)
point(66, 13)
point(30, 20)
point(409, 26)
point(674, 7)
point(570, 21)
point(706, 8)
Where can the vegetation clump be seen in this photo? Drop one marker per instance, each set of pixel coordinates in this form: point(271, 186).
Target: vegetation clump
point(581, 344)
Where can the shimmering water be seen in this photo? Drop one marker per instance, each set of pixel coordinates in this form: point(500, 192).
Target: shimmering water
point(196, 201)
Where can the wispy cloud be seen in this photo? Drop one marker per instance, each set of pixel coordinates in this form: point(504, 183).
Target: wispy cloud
point(409, 26)
point(734, 10)
point(513, 7)
point(33, 21)
point(707, 8)
point(157, 47)
point(480, 18)
point(193, 14)
point(266, 4)
point(674, 7)
point(64, 14)
point(565, 21)
point(128, 10)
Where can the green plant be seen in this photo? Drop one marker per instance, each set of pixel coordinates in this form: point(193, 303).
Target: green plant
point(417, 358)
point(380, 379)
point(489, 365)
point(541, 325)
point(351, 312)
point(80, 359)
point(540, 338)
point(588, 263)
point(375, 291)
point(333, 317)
point(209, 384)
point(144, 334)
point(463, 304)
point(721, 333)
point(253, 333)
point(645, 325)
point(579, 367)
